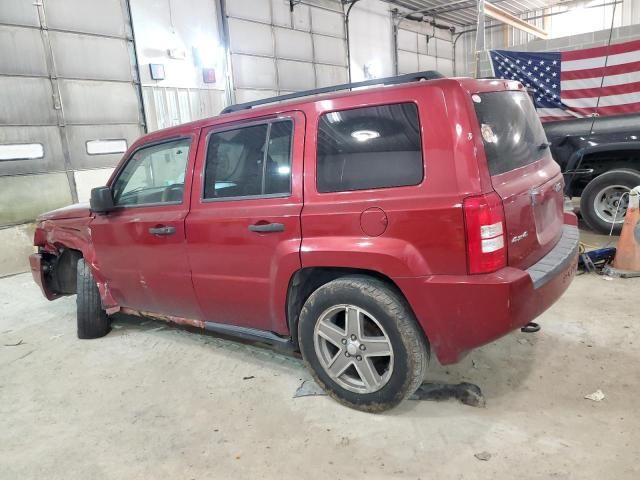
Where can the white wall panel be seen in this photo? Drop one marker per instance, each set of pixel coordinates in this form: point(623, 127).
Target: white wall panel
point(254, 72)
point(326, 22)
point(22, 51)
point(370, 35)
point(18, 13)
point(407, 40)
point(327, 75)
point(245, 95)
point(427, 62)
point(98, 16)
point(444, 49)
point(26, 101)
point(407, 62)
point(250, 37)
point(88, 101)
point(115, 64)
point(259, 10)
point(47, 136)
point(301, 17)
point(79, 135)
point(295, 75)
point(88, 179)
point(280, 13)
point(330, 50)
point(445, 66)
point(293, 44)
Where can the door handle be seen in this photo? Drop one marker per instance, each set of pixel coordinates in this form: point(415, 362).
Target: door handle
point(266, 227)
point(162, 230)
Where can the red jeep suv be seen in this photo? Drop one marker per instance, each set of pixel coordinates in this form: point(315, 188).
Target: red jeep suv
point(365, 228)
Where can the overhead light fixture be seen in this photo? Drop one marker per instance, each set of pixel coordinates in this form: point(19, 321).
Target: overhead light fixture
point(365, 135)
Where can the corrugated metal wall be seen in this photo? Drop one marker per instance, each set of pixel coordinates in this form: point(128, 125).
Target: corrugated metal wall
point(276, 51)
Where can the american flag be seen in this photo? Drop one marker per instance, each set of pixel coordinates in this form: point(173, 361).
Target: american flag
point(568, 84)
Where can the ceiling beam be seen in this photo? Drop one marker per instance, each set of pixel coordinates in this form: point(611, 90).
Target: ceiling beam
point(505, 17)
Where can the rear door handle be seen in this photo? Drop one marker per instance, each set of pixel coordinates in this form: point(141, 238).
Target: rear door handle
point(266, 227)
point(162, 230)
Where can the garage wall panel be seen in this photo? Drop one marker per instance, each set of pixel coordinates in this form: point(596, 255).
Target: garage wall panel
point(79, 135)
point(88, 179)
point(276, 50)
point(292, 44)
point(22, 51)
point(407, 40)
point(248, 95)
point(89, 101)
point(327, 22)
point(407, 62)
point(259, 10)
point(250, 37)
point(104, 17)
point(18, 13)
point(327, 75)
point(424, 47)
point(295, 76)
point(47, 136)
point(115, 64)
point(330, 50)
point(18, 204)
point(26, 101)
point(254, 72)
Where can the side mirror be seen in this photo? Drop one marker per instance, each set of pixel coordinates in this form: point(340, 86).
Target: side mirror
point(101, 200)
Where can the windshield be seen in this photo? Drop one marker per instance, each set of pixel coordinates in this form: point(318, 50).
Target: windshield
point(511, 130)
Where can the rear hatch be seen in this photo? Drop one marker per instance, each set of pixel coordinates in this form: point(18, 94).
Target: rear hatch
point(523, 173)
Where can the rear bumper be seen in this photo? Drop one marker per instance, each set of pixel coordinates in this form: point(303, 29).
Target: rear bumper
point(459, 313)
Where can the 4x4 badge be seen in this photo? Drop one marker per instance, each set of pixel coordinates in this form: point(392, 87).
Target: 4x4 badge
point(517, 238)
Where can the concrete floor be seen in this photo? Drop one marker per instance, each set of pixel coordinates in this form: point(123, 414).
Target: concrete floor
point(151, 401)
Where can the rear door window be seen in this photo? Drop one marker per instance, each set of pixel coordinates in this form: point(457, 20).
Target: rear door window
point(511, 130)
point(370, 147)
point(252, 161)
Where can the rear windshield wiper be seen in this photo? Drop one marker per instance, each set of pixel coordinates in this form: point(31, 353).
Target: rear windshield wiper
point(543, 145)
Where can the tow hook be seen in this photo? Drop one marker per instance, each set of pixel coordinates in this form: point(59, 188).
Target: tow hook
point(531, 327)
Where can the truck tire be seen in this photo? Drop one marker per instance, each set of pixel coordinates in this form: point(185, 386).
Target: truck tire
point(362, 343)
point(603, 195)
point(93, 321)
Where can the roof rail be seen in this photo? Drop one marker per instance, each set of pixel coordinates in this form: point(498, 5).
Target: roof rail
point(409, 77)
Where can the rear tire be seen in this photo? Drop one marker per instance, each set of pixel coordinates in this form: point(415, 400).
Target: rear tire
point(373, 366)
point(601, 196)
point(93, 321)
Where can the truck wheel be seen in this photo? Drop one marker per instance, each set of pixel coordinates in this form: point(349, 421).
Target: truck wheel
point(362, 343)
point(603, 196)
point(93, 321)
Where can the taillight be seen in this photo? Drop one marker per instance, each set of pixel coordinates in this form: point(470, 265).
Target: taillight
point(484, 224)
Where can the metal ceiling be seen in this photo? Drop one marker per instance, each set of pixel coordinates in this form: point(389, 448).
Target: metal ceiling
point(462, 13)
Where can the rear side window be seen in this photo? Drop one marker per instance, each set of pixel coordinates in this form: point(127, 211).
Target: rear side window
point(511, 130)
point(370, 147)
point(249, 161)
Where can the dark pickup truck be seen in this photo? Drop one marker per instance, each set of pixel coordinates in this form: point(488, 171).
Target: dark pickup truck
point(599, 164)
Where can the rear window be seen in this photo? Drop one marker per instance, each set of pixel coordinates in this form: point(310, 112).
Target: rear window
point(370, 147)
point(511, 130)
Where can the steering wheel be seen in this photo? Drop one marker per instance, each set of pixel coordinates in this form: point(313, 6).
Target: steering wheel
point(172, 193)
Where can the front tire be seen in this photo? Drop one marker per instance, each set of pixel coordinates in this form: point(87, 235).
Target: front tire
point(362, 343)
point(602, 204)
point(93, 321)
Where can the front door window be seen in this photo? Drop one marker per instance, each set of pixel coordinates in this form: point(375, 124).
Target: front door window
point(153, 175)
